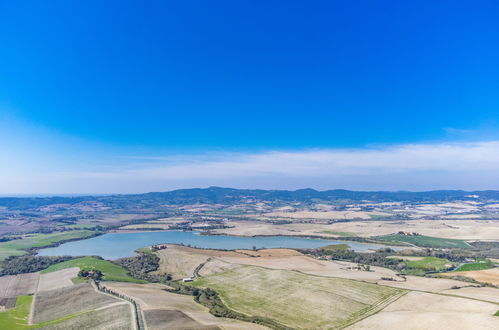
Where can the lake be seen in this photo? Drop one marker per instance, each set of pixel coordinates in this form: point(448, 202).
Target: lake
point(118, 245)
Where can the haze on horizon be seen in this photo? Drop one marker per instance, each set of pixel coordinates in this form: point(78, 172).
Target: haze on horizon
point(119, 97)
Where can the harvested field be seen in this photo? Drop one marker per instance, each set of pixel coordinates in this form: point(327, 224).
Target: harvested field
point(298, 300)
point(179, 262)
point(152, 297)
point(112, 317)
point(485, 275)
point(58, 279)
point(7, 303)
point(458, 229)
point(53, 304)
point(418, 310)
point(158, 319)
point(18, 285)
point(287, 259)
point(475, 292)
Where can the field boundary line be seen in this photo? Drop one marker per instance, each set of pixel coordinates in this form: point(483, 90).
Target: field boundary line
point(136, 311)
point(32, 310)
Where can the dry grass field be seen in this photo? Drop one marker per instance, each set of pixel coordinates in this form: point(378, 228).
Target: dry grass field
point(152, 297)
point(298, 300)
point(458, 229)
point(50, 305)
point(113, 317)
point(18, 285)
point(179, 262)
point(485, 275)
point(285, 259)
point(418, 310)
point(58, 279)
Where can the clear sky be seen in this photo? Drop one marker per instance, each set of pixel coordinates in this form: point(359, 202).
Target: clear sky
point(132, 96)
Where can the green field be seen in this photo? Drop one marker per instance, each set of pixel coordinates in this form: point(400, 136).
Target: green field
point(298, 300)
point(110, 271)
point(480, 264)
point(429, 264)
point(336, 247)
point(17, 317)
point(17, 247)
point(425, 241)
point(339, 233)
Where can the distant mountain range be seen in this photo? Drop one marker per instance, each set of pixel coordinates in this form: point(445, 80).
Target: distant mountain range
point(220, 195)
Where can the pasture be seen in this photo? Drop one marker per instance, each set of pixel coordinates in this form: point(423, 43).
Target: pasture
point(425, 241)
point(112, 272)
point(427, 263)
point(17, 317)
point(298, 300)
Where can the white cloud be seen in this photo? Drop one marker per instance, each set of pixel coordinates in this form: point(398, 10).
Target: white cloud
point(400, 167)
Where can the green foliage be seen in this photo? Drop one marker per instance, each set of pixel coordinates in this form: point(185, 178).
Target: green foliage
point(110, 271)
point(28, 264)
point(141, 265)
point(425, 241)
point(94, 274)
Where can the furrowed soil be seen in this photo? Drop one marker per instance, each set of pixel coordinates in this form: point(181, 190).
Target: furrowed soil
point(53, 304)
point(298, 300)
point(112, 317)
point(418, 310)
point(58, 279)
point(153, 297)
point(18, 285)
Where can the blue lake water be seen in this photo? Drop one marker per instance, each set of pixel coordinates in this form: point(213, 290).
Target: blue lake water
point(114, 245)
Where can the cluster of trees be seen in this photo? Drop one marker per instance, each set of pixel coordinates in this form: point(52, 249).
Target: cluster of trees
point(378, 258)
point(94, 274)
point(142, 265)
point(27, 264)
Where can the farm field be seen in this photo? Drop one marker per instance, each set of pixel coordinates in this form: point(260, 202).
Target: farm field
point(53, 304)
point(57, 279)
point(461, 229)
point(18, 285)
point(110, 271)
point(480, 264)
point(17, 317)
point(17, 247)
point(298, 300)
point(285, 259)
point(426, 263)
point(425, 241)
point(179, 262)
point(158, 319)
point(108, 317)
point(152, 297)
point(418, 310)
point(485, 275)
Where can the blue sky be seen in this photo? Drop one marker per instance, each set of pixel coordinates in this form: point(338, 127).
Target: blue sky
point(120, 96)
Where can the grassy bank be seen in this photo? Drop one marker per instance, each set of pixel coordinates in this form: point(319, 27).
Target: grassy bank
point(111, 271)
